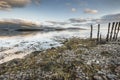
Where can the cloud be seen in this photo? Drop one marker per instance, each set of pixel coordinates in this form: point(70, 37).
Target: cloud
point(77, 20)
point(73, 9)
point(90, 11)
point(108, 18)
point(77, 24)
point(4, 5)
point(111, 17)
point(16, 26)
point(57, 23)
point(21, 22)
point(105, 19)
point(8, 4)
point(83, 25)
point(102, 20)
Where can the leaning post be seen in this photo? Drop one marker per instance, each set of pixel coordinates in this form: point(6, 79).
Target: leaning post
point(111, 33)
point(107, 38)
point(118, 29)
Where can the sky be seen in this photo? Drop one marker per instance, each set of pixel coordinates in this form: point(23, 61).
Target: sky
point(60, 12)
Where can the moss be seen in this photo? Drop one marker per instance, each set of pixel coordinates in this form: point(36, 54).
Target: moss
point(79, 51)
point(105, 53)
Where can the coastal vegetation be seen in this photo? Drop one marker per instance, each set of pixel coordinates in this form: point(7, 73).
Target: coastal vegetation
point(76, 59)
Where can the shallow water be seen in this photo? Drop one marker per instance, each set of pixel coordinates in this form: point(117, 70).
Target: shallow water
point(17, 46)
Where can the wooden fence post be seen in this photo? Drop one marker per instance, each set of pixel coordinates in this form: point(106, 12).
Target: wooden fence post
point(118, 29)
point(112, 31)
point(98, 34)
point(100, 38)
point(107, 38)
point(91, 32)
point(115, 31)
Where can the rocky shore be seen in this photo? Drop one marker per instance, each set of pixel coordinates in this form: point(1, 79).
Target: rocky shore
point(77, 59)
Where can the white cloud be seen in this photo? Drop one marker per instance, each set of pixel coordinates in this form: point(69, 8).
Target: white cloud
point(19, 22)
point(73, 9)
point(90, 11)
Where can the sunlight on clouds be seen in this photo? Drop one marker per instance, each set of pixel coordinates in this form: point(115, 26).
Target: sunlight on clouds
point(4, 5)
point(20, 22)
point(8, 4)
point(90, 11)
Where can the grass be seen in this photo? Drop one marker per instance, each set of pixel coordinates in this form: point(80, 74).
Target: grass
point(55, 62)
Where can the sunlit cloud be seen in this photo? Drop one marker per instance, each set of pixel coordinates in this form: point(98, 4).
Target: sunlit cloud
point(90, 11)
point(21, 22)
point(9, 4)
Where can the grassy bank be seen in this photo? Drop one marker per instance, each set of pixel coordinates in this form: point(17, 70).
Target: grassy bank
point(68, 62)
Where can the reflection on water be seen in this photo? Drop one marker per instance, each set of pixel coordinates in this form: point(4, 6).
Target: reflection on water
point(10, 39)
point(18, 44)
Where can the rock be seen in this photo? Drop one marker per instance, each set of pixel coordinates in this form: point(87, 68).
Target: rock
point(101, 73)
point(97, 77)
point(1, 57)
point(111, 76)
point(117, 69)
point(105, 78)
point(97, 62)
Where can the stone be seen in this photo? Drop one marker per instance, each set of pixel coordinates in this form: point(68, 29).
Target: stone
point(117, 69)
point(111, 76)
point(97, 77)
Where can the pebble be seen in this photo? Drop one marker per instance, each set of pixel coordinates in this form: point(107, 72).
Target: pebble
point(97, 77)
point(117, 69)
point(111, 76)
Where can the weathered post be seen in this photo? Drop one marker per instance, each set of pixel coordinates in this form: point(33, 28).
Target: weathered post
point(98, 34)
point(118, 29)
point(100, 38)
point(112, 31)
point(115, 30)
point(91, 32)
point(107, 38)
